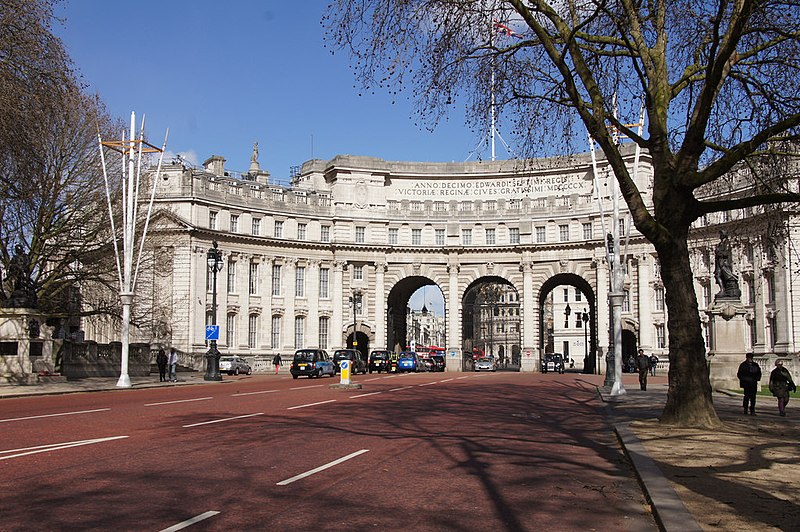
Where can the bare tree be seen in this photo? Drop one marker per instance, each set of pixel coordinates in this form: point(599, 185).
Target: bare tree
point(720, 86)
point(52, 198)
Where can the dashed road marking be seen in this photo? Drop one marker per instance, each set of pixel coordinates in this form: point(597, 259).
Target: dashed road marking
point(252, 393)
point(311, 404)
point(364, 394)
point(54, 447)
point(56, 415)
point(222, 420)
point(321, 468)
point(190, 522)
point(179, 401)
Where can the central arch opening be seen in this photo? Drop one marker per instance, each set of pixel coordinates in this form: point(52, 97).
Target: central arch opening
point(491, 324)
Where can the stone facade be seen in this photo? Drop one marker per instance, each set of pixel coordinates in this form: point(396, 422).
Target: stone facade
point(294, 255)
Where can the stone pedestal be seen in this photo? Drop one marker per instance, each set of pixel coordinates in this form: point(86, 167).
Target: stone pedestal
point(531, 360)
point(453, 360)
point(21, 343)
point(728, 333)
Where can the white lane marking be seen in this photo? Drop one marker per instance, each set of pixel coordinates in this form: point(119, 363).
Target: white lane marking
point(311, 404)
point(55, 415)
point(398, 389)
point(364, 394)
point(446, 380)
point(54, 447)
point(428, 383)
point(252, 393)
point(459, 378)
point(304, 387)
point(373, 379)
point(321, 468)
point(391, 376)
point(179, 401)
point(223, 419)
point(190, 522)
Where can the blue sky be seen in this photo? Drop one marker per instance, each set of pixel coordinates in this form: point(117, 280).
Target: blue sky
point(222, 75)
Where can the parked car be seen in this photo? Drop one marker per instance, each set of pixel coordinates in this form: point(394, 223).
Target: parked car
point(354, 356)
point(438, 362)
point(233, 365)
point(378, 361)
point(312, 363)
point(425, 364)
point(485, 364)
point(553, 362)
point(408, 361)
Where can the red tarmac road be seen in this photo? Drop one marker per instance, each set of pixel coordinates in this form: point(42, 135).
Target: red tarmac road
point(417, 452)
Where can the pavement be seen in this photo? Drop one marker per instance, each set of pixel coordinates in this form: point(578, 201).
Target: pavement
point(668, 509)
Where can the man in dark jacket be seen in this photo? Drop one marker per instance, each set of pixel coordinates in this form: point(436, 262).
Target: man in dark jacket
point(161, 360)
point(749, 374)
point(642, 364)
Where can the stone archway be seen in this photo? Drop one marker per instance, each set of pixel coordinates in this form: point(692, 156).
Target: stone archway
point(397, 310)
point(491, 323)
point(589, 327)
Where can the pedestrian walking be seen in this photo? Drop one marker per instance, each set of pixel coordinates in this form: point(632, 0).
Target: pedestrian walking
point(161, 360)
point(276, 361)
point(643, 365)
point(780, 384)
point(653, 364)
point(172, 361)
point(749, 374)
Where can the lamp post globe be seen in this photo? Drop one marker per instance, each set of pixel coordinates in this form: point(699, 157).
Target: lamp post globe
point(214, 261)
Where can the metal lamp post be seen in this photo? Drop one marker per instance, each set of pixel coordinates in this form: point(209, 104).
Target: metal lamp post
point(585, 319)
point(355, 304)
point(214, 260)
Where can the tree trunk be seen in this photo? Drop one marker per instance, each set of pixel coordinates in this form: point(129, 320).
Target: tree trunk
point(689, 401)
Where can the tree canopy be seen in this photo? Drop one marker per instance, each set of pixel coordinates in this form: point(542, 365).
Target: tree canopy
point(719, 81)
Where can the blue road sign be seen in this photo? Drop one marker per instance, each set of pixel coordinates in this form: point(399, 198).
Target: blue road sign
point(212, 332)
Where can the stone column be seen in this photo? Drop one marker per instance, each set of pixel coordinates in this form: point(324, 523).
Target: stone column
point(644, 269)
point(603, 315)
point(337, 320)
point(380, 305)
point(290, 265)
point(782, 315)
point(454, 354)
point(531, 352)
point(312, 297)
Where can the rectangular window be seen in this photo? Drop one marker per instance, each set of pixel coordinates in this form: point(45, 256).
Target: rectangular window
point(621, 227)
point(578, 295)
point(323, 332)
point(440, 237)
point(234, 223)
point(300, 281)
point(302, 230)
point(231, 277)
point(660, 340)
point(415, 206)
point(513, 235)
point(360, 231)
point(416, 237)
point(491, 205)
point(563, 233)
point(358, 272)
point(212, 220)
point(490, 237)
point(324, 280)
point(466, 237)
point(706, 294)
point(626, 301)
point(439, 206)
point(393, 232)
point(299, 332)
point(587, 231)
point(659, 297)
point(230, 332)
point(276, 279)
point(541, 235)
point(566, 295)
point(275, 333)
point(253, 279)
point(278, 233)
point(325, 233)
point(209, 280)
point(256, 228)
point(252, 330)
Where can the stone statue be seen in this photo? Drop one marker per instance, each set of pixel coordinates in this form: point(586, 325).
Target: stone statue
point(723, 269)
point(254, 157)
point(23, 293)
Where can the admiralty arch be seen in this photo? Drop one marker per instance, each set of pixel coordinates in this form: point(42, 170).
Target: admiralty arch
point(331, 260)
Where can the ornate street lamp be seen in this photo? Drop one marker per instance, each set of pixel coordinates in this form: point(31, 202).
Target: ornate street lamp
point(567, 312)
point(355, 304)
point(214, 260)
